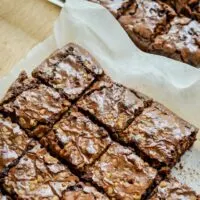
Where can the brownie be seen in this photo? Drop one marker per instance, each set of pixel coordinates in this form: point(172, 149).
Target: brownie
point(13, 143)
point(189, 8)
point(144, 20)
point(160, 135)
point(81, 192)
point(70, 70)
point(38, 175)
point(171, 189)
point(77, 139)
point(116, 7)
point(181, 41)
point(41, 105)
point(113, 105)
point(122, 174)
point(22, 83)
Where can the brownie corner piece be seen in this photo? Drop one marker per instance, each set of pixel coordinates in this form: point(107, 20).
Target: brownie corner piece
point(122, 174)
point(22, 83)
point(160, 135)
point(77, 140)
point(143, 20)
point(180, 41)
point(13, 144)
point(38, 175)
point(113, 105)
point(170, 188)
point(82, 191)
point(41, 105)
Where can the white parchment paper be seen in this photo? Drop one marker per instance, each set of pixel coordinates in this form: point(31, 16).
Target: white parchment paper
point(170, 82)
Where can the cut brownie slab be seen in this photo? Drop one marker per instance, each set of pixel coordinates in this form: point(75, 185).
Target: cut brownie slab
point(77, 139)
point(181, 41)
point(13, 143)
point(144, 20)
point(70, 70)
point(116, 7)
point(170, 189)
point(160, 135)
point(81, 192)
point(41, 105)
point(38, 176)
point(113, 105)
point(122, 174)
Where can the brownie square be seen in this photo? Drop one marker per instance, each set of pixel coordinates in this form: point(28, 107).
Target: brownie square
point(70, 70)
point(13, 143)
point(41, 105)
point(76, 139)
point(81, 191)
point(122, 174)
point(22, 83)
point(116, 7)
point(181, 41)
point(144, 20)
point(38, 176)
point(171, 189)
point(113, 105)
point(160, 135)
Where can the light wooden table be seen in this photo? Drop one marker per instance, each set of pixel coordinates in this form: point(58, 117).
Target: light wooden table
point(23, 24)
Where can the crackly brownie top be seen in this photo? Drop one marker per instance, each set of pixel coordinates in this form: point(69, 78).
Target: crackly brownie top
point(160, 134)
point(13, 142)
point(83, 192)
point(82, 140)
point(115, 106)
point(170, 189)
point(69, 76)
point(122, 174)
point(184, 36)
point(39, 176)
point(38, 105)
point(22, 83)
point(81, 55)
point(146, 18)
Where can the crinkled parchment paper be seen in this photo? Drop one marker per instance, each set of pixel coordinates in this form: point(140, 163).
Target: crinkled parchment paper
point(172, 83)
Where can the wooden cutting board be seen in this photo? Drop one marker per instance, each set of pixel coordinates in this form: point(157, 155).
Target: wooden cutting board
point(23, 24)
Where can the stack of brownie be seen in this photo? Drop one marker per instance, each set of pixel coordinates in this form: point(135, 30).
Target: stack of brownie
point(70, 132)
point(166, 27)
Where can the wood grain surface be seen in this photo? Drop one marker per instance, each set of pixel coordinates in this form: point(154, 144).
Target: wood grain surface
point(23, 24)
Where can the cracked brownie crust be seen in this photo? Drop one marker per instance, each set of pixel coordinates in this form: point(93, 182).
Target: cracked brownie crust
point(83, 192)
point(122, 174)
point(144, 20)
point(40, 105)
point(77, 139)
point(181, 41)
point(171, 189)
point(38, 176)
point(113, 105)
point(160, 134)
point(13, 143)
